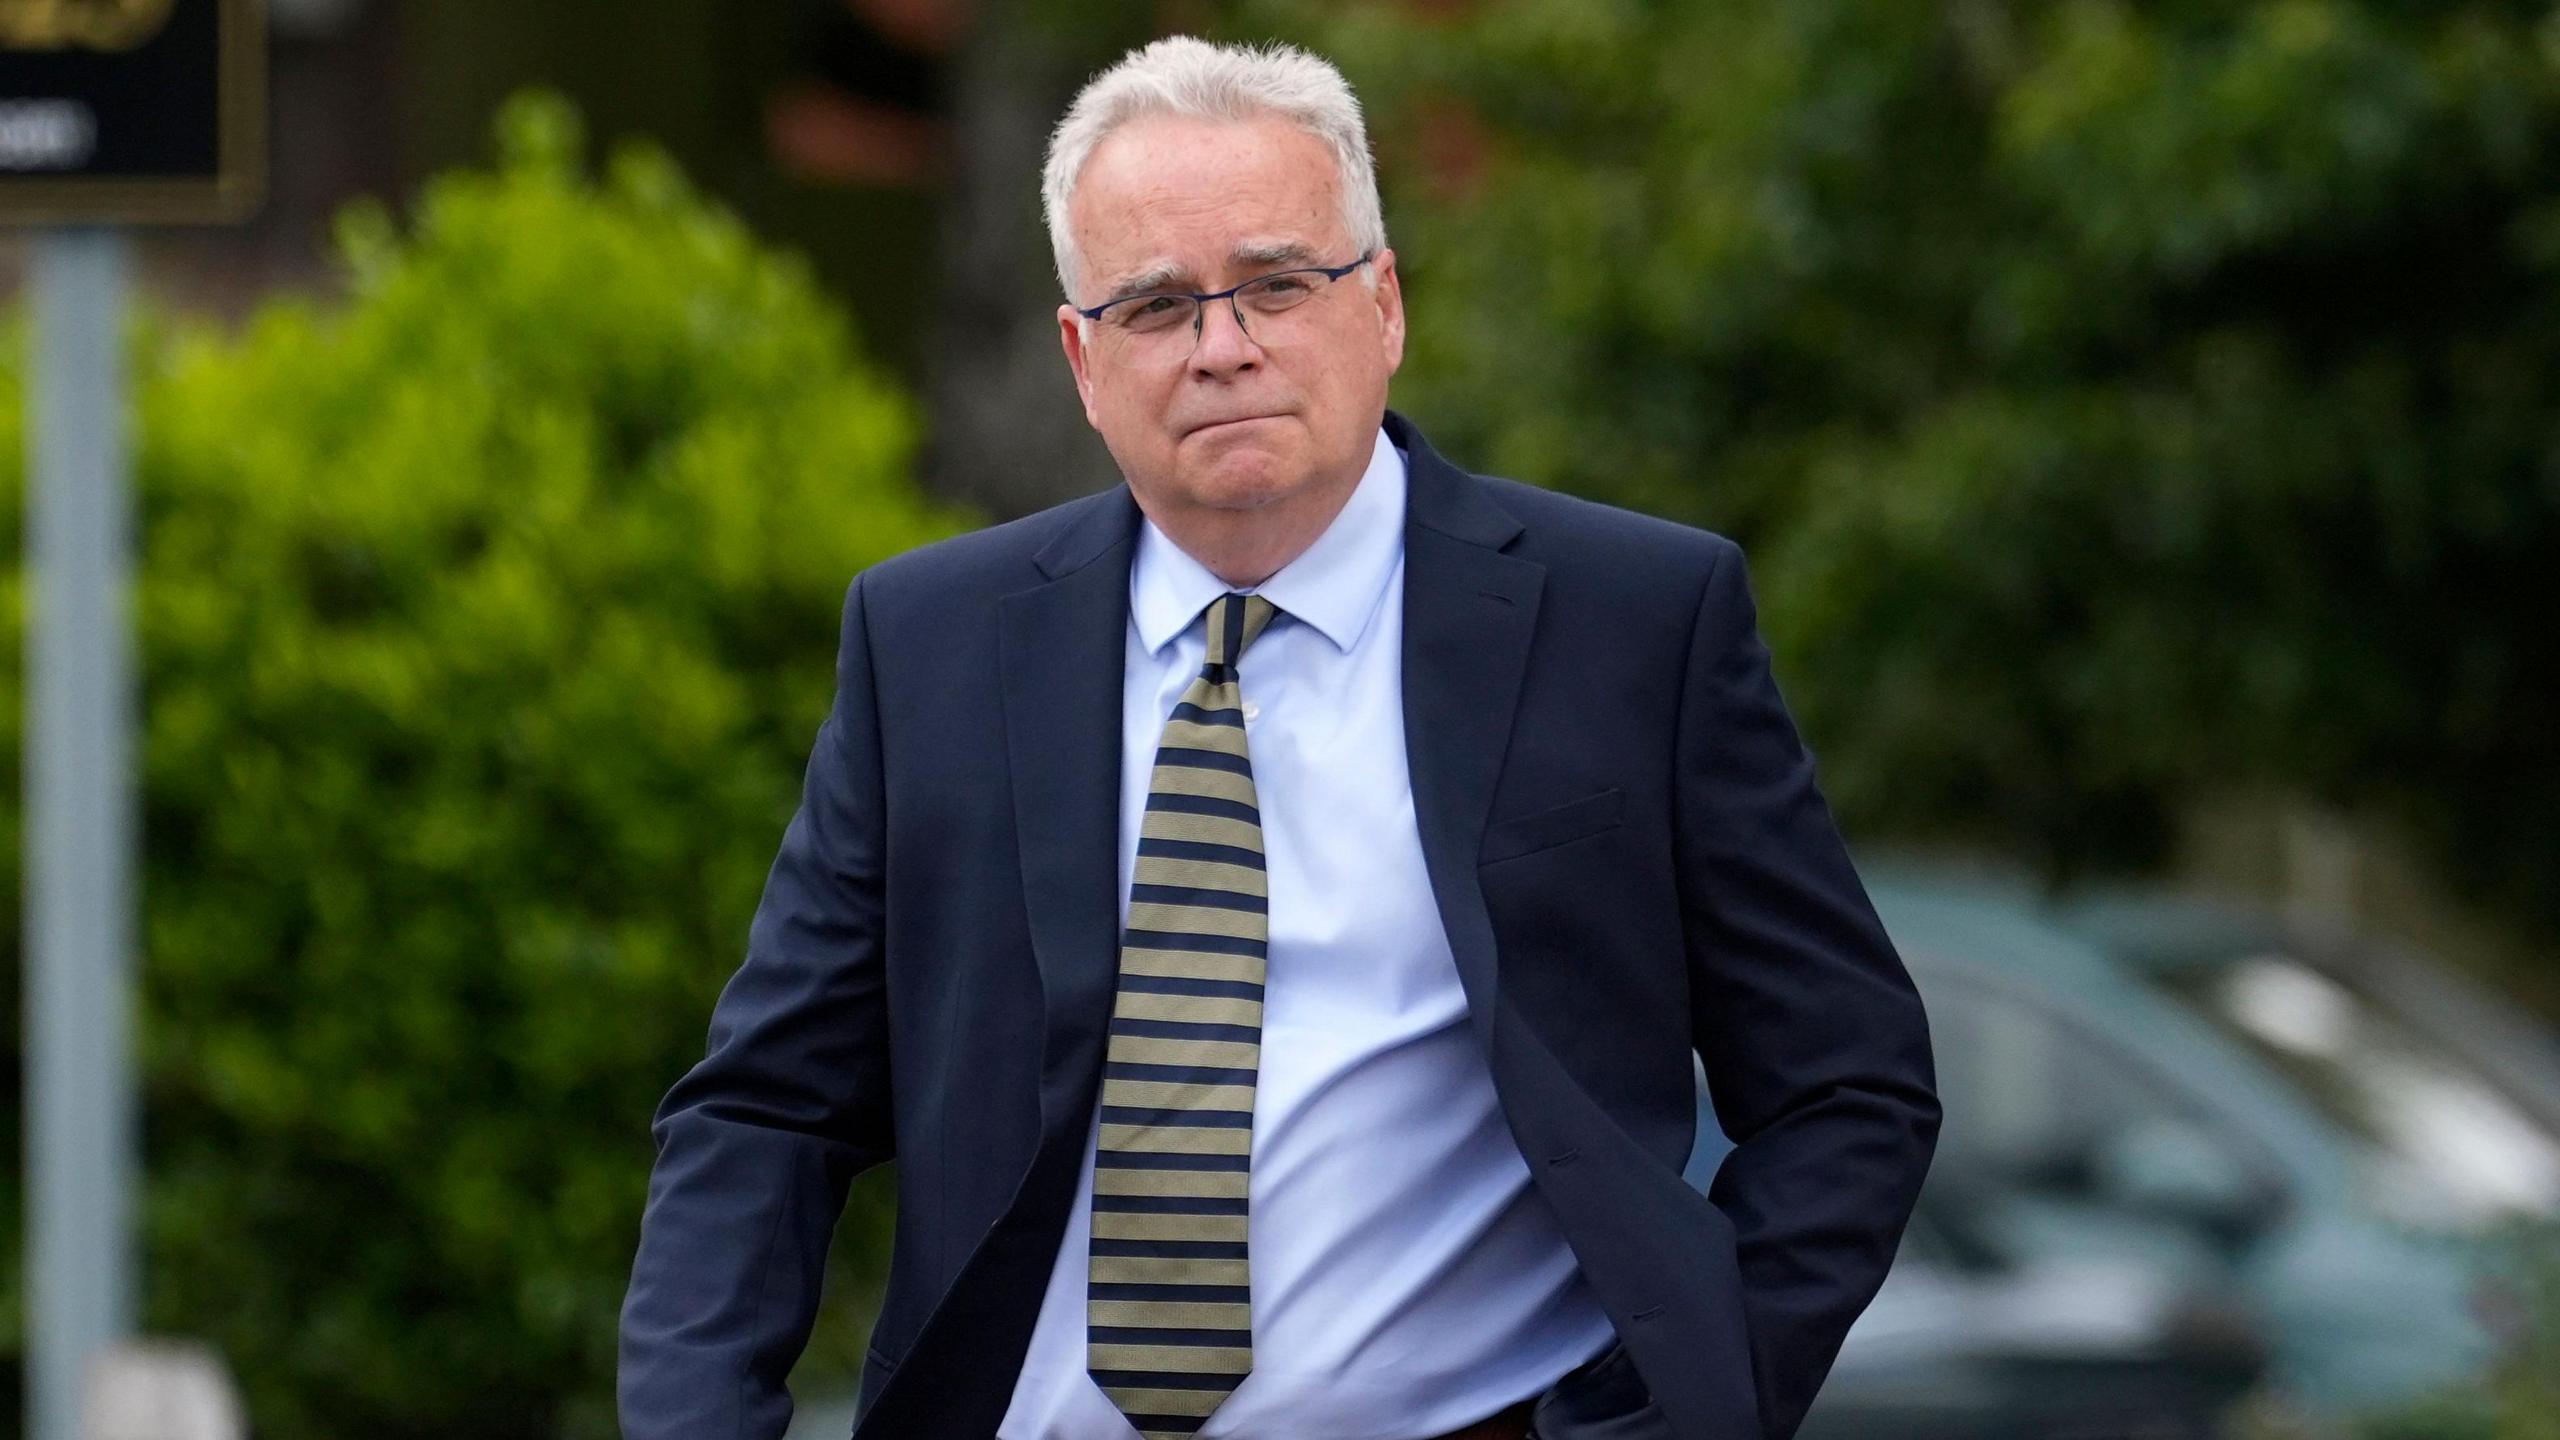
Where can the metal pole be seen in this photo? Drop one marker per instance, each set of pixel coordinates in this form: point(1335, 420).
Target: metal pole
point(79, 826)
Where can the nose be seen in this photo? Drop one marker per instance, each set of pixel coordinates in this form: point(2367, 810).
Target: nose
point(1220, 345)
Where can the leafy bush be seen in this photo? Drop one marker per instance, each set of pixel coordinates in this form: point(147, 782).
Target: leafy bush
point(486, 618)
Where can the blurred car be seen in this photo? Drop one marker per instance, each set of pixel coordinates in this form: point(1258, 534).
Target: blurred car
point(1965, 1342)
point(1976, 1337)
point(2454, 1094)
point(2096, 1117)
point(2447, 1098)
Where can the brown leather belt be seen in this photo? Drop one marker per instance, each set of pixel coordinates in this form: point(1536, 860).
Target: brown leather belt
point(1511, 1424)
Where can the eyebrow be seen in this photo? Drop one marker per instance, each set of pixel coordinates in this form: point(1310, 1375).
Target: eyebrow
point(1173, 275)
point(1163, 275)
point(1271, 252)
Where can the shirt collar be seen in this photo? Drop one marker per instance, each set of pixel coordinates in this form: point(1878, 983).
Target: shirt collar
point(1333, 585)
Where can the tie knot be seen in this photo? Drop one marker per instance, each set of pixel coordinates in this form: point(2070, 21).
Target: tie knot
point(1233, 622)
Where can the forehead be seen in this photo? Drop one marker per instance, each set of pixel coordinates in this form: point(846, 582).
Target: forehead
point(1174, 191)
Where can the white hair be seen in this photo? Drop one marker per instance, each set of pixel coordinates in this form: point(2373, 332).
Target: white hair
point(1179, 75)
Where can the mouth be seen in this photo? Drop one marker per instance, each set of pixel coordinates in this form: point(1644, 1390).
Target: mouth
point(1208, 426)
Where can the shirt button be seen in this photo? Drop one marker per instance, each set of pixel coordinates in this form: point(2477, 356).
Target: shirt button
point(1252, 711)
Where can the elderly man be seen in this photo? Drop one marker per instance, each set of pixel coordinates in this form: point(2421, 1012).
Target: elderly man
point(1268, 909)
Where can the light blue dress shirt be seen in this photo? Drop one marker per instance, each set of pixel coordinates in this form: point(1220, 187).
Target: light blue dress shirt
point(1407, 1277)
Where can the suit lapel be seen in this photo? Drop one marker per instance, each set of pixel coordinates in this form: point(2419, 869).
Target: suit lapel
point(1063, 648)
point(1469, 613)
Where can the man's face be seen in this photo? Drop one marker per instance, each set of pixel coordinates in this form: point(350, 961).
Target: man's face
point(1233, 420)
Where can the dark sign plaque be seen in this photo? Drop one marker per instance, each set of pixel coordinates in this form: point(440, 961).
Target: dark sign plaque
point(131, 110)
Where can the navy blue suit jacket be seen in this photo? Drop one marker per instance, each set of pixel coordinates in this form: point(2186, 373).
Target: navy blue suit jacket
point(1626, 847)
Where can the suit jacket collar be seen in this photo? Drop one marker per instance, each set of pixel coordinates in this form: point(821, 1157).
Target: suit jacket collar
point(1446, 499)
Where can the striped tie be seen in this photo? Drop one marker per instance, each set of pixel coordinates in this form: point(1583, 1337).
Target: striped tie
point(1169, 1299)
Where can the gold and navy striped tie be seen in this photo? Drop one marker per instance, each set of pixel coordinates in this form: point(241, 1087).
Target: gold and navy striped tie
point(1169, 1298)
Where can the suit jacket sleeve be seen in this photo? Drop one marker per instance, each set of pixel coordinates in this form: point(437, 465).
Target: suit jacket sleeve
point(758, 1142)
point(1815, 1047)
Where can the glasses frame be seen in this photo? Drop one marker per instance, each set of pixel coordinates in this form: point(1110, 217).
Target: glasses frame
point(1200, 302)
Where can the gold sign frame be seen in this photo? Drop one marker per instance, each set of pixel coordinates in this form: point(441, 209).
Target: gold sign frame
point(240, 150)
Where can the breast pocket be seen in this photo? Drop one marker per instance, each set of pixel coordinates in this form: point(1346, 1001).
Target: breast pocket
point(1546, 829)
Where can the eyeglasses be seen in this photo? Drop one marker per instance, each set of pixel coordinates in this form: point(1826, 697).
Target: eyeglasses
point(1163, 313)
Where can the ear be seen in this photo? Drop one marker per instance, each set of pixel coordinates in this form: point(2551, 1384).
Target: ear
point(1390, 298)
point(1071, 338)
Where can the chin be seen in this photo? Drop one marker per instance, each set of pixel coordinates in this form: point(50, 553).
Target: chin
point(1245, 479)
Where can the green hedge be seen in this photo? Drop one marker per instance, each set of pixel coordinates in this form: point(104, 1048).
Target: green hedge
point(486, 617)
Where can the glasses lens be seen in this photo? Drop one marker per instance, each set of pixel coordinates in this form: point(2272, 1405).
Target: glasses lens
point(1152, 314)
point(1274, 293)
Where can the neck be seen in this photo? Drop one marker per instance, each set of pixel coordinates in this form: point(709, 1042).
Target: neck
point(1247, 547)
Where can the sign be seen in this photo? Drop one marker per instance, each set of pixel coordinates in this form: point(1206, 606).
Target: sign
point(132, 110)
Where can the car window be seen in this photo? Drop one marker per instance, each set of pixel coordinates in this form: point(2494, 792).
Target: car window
point(2033, 1097)
point(2441, 1145)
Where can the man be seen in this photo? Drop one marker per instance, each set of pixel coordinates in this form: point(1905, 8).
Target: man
point(1268, 910)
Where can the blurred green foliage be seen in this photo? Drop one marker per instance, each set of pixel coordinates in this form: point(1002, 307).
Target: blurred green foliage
point(2123, 401)
point(485, 622)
